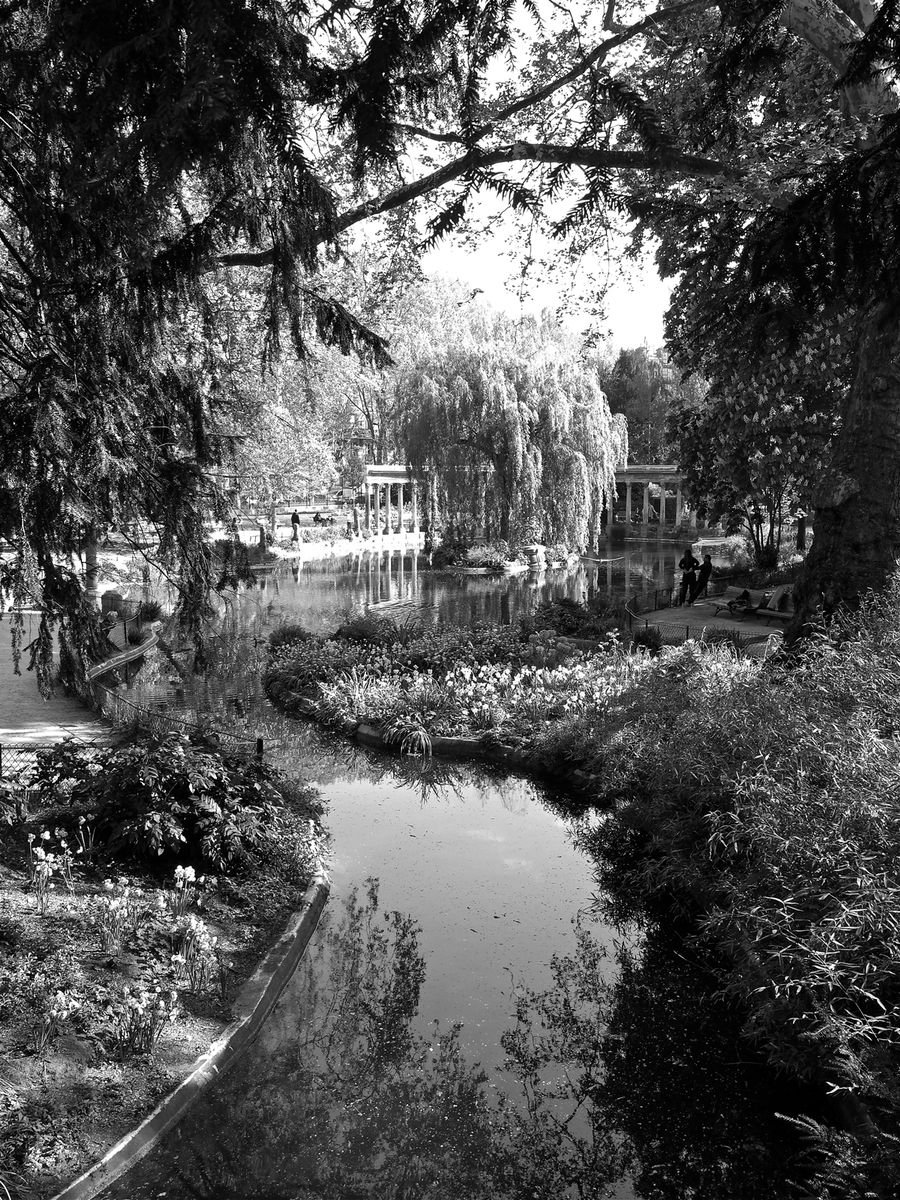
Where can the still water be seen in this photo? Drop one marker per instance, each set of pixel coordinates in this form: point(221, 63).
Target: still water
point(462, 1025)
point(320, 594)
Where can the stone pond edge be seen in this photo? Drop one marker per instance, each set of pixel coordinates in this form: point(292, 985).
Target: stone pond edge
point(461, 748)
point(253, 1005)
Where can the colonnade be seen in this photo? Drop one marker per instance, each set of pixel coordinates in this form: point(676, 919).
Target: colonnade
point(384, 505)
point(653, 486)
point(387, 489)
point(656, 488)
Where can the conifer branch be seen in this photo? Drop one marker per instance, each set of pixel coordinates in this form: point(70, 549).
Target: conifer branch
point(480, 159)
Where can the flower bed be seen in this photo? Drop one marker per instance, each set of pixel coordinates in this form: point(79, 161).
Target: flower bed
point(413, 686)
point(120, 954)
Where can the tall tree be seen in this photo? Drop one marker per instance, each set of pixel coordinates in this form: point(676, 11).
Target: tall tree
point(137, 142)
point(522, 444)
point(644, 386)
point(143, 145)
point(751, 465)
point(760, 142)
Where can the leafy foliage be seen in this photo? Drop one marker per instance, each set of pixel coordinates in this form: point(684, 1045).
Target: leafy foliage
point(755, 806)
point(166, 798)
point(751, 458)
point(524, 446)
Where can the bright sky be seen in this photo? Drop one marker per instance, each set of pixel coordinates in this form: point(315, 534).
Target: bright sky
point(634, 306)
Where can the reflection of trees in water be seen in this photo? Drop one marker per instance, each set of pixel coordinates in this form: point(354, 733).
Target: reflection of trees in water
point(343, 1098)
point(352, 1102)
point(653, 1080)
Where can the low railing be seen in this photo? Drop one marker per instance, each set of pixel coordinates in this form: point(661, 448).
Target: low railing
point(668, 597)
point(18, 764)
point(122, 657)
point(122, 712)
point(673, 632)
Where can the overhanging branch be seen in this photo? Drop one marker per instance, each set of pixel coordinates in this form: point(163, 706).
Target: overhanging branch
point(481, 159)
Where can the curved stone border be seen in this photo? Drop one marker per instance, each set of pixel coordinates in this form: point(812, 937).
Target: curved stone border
point(511, 757)
point(254, 1003)
point(123, 657)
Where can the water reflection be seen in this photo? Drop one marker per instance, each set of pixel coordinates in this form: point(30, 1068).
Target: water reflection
point(342, 1097)
point(655, 1064)
point(544, 1077)
point(611, 1088)
point(319, 595)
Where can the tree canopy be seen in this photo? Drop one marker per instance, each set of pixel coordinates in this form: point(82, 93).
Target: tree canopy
point(751, 465)
point(146, 146)
point(521, 443)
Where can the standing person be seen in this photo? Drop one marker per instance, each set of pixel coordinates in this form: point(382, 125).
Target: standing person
point(702, 578)
point(295, 526)
point(688, 565)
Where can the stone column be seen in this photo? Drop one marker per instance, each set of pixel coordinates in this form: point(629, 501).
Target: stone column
point(662, 503)
point(378, 508)
point(628, 502)
point(414, 505)
point(645, 512)
point(678, 509)
point(368, 487)
point(399, 507)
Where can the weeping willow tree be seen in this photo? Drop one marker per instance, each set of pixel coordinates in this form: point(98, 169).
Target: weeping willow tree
point(526, 447)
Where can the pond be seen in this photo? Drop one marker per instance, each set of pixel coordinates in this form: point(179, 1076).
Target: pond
point(320, 594)
point(464, 1024)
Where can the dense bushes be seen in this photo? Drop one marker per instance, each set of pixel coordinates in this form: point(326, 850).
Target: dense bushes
point(763, 806)
point(166, 799)
point(374, 648)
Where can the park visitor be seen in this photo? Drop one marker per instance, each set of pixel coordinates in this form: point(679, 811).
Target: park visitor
point(295, 526)
point(688, 566)
point(702, 578)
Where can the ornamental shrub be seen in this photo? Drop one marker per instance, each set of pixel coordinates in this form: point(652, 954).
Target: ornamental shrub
point(165, 797)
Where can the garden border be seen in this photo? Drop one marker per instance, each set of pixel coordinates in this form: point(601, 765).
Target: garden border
point(253, 1005)
point(462, 748)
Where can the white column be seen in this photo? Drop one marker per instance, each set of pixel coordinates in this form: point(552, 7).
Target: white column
point(628, 502)
point(662, 502)
point(368, 488)
point(678, 503)
point(645, 515)
point(399, 507)
point(378, 508)
point(414, 505)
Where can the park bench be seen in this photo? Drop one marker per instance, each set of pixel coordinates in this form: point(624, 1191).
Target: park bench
point(739, 601)
point(780, 605)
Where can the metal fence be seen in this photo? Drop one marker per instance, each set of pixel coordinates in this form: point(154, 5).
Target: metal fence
point(668, 597)
point(18, 766)
point(672, 632)
point(127, 714)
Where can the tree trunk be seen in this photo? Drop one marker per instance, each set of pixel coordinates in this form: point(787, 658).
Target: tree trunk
point(91, 569)
point(856, 520)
